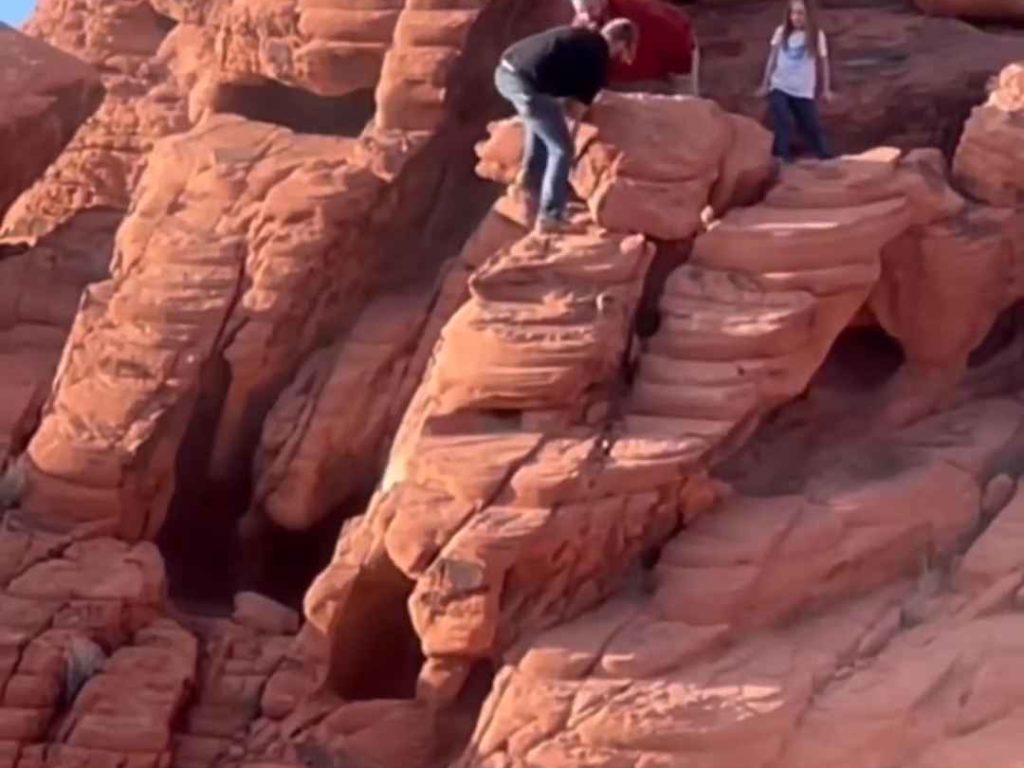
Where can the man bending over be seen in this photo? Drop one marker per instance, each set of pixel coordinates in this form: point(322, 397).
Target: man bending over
point(570, 63)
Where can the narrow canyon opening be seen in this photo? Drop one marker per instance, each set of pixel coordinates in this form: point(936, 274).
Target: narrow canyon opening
point(269, 101)
point(375, 652)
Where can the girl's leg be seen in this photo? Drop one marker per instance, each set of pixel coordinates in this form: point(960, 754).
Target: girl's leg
point(806, 111)
point(782, 123)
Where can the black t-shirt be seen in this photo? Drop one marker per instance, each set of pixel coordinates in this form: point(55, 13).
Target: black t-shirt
point(565, 62)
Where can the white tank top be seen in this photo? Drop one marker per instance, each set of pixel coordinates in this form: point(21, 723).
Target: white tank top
point(796, 71)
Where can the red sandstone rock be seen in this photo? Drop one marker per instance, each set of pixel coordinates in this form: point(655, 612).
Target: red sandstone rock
point(543, 449)
point(632, 180)
point(101, 165)
point(46, 96)
point(660, 683)
point(993, 10)
point(987, 159)
point(193, 296)
point(264, 615)
point(41, 288)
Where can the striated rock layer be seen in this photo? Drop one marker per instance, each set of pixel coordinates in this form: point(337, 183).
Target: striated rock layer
point(100, 167)
point(537, 429)
point(46, 96)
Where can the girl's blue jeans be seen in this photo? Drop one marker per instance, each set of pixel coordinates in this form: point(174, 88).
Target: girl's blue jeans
point(789, 112)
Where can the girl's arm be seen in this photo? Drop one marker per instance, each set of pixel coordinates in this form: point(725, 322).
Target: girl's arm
point(695, 72)
point(769, 68)
point(826, 70)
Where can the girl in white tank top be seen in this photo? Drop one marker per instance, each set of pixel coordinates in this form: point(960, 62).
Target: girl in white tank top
point(798, 50)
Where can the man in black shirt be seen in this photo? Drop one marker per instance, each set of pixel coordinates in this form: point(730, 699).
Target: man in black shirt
point(560, 63)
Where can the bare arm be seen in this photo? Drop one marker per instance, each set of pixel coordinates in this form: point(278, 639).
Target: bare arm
point(825, 62)
point(826, 76)
point(769, 68)
point(695, 74)
point(575, 111)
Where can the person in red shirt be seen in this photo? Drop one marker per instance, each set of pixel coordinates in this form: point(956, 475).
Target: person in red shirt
point(668, 58)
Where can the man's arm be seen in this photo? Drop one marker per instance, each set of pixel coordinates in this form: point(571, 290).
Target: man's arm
point(576, 111)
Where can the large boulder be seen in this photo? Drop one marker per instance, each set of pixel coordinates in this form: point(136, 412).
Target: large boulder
point(634, 180)
point(989, 162)
point(46, 95)
point(101, 165)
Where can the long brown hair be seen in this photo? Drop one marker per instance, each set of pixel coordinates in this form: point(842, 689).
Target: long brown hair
point(810, 29)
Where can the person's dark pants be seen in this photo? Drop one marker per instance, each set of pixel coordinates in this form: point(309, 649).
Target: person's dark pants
point(547, 149)
point(789, 112)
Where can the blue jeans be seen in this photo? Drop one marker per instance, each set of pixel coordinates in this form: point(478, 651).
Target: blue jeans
point(789, 110)
point(547, 149)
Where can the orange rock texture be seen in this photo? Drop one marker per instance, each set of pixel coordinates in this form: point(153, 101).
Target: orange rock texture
point(313, 453)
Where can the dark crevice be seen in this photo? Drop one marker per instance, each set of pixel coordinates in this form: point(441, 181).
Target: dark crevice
point(797, 439)
point(165, 23)
point(301, 111)
point(375, 652)
point(1000, 336)
point(282, 563)
point(668, 257)
point(862, 359)
point(197, 538)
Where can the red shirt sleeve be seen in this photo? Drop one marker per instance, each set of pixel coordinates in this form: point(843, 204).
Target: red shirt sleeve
point(666, 40)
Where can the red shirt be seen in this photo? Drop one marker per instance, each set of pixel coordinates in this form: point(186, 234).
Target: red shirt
point(666, 40)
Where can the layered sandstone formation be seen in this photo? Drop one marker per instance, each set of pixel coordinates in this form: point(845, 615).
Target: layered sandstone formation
point(47, 96)
point(724, 475)
point(100, 167)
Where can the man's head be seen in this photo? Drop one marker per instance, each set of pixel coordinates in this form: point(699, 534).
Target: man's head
point(622, 36)
point(593, 11)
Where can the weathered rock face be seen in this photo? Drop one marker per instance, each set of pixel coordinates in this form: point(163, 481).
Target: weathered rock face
point(987, 161)
point(100, 167)
point(1007, 11)
point(313, 312)
point(664, 678)
point(249, 297)
point(46, 96)
point(40, 288)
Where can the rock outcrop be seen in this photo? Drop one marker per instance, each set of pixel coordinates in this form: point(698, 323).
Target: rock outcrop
point(695, 672)
point(1005, 11)
point(100, 167)
point(723, 475)
point(47, 95)
point(987, 162)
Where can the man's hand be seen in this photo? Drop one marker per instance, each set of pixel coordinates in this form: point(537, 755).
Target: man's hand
point(828, 95)
point(762, 91)
point(576, 110)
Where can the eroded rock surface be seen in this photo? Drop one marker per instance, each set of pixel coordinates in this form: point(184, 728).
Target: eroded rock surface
point(46, 96)
point(100, 167)
point(708, 479)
